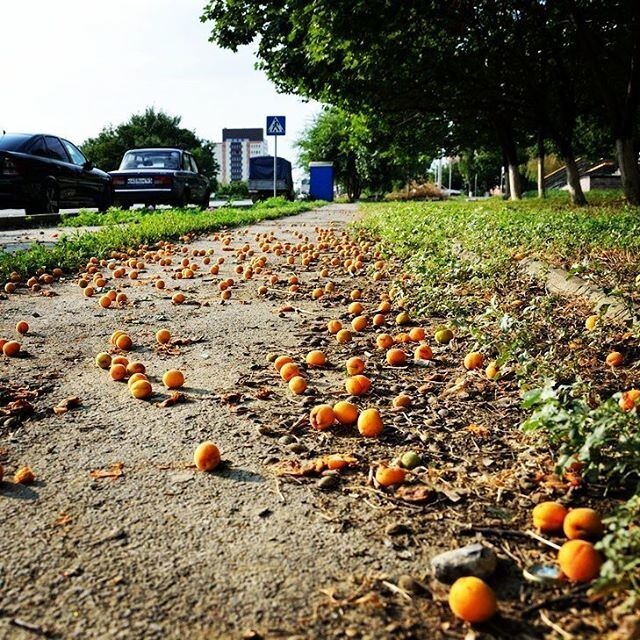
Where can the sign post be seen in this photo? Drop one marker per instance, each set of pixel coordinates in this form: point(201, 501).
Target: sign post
point(276, 126)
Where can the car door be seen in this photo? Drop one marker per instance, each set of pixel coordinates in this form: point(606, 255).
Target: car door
point(198, 179)
point(66, 174)
point(89, 186)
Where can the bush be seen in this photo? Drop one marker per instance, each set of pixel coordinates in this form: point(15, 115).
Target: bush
point(416, 191)
point(239, 190)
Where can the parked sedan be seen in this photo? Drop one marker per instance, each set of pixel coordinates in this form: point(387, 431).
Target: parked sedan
point(160, 176)
point(43, 173)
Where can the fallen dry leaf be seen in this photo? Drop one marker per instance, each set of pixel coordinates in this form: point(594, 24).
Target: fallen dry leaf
point(114, 471)
point(175, 398)
point(414, 493)
point(64, 405)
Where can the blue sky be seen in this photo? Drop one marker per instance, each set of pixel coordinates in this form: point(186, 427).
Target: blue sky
point(70, 67)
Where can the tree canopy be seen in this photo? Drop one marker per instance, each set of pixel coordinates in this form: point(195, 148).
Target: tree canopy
point(509, 71)
point(148, 129)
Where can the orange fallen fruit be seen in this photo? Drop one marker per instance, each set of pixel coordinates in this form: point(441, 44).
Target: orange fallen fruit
point(472, 599)
point(206, 456)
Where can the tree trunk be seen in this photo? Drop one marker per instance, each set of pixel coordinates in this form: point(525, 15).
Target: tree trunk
point(573, 181)
point(515, 184)
point(629, 171)
point(541, 192)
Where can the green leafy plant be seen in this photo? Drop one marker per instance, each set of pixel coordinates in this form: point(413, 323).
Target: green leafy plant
point(604, 438)
point(621, 547)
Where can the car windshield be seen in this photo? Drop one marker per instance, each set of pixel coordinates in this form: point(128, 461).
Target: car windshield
point(13, 141)
point(156, 159)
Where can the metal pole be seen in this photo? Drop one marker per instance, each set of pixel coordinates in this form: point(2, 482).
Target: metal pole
point(475, 186)
point(450, 163)
point(275, 164)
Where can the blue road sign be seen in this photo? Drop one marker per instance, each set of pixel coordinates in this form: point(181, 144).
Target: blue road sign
point(276, 125)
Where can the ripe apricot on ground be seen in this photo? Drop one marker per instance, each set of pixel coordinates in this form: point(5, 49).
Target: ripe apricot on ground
point(396, 357)
point(370, 423)
point(359, 323)
point(178, 298)
point(141, 389)
point(473, 360)
point(22, 327)
point(136, 377)
point(135, 367)
point(492, 371)
point(387, 476)
point(403, 318)
point(423, 352)
point(322, 417)
point(297, 385)
point(343, 336)
point(355, 308)
point(11, 348)
point(289, 370)
point(119, 360)
point(103, 360)
point(24, 475)
point(163, 336)
point(124, 342)
point(173, 379)
point(615, 359)
point(401, 400)
point(335, 462)
point(384, 341)
point(591, 322)
point(357, 385)
point(583, 524)
point(548, 517)
point(333, 326)
point(472, 599)
point(417, 334)
point(118, 372)
point(355, 365)
point(345, 412)
point(206, 456)
point(316, 358)
point(105, 301)
point(579, 561)
point(280, 361)
point(629, 399)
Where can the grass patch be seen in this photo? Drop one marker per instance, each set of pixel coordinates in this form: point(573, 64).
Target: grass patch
point(130, 229)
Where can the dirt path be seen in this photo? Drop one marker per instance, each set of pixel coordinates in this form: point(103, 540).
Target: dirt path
point(165, 551)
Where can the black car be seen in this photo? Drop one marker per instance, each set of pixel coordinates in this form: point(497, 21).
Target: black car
point(43, 173)
point(160, 176)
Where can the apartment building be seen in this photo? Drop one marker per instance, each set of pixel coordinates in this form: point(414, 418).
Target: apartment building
point(233, 153)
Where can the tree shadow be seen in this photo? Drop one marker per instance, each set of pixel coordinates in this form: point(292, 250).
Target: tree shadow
point(241, 475)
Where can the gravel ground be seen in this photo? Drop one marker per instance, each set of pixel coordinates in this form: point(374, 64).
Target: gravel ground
point(164, 550)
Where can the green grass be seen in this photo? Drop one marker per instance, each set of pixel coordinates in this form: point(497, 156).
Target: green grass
point(130, 229)
point(474, 242)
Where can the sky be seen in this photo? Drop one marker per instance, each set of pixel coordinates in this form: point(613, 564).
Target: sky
point(70, 67)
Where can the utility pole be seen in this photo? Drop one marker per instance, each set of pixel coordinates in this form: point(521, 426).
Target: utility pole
point(450, 164)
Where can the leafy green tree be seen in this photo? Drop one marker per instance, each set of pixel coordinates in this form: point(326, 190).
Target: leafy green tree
point(148, 129)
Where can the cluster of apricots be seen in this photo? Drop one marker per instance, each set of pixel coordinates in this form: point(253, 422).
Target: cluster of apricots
point(34, 283)
point(578, 559)
point(134, 372)
point(11, 348)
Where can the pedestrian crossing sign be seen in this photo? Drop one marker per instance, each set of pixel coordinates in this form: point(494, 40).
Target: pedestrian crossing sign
point(276, 125)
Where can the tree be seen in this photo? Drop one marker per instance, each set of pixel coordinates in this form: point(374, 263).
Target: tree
point(368, 152)
point(148, 129)
point(516, 68)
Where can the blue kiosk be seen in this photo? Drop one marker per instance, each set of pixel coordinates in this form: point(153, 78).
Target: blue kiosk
point(321, 180)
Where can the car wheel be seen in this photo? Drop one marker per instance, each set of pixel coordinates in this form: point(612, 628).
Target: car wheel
point(183, 200)
point(49, 201)
point(105, 199)
point(204, 204)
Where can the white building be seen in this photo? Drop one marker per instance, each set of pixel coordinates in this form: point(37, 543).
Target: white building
point(233, 153)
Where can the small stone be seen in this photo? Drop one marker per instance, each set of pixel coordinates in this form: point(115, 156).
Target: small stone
point(328, 483)
point(270, 460)
point(285, 440)
point(397, 529)
point(297, 447)
point(266, 430)
point(472, 560)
